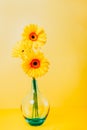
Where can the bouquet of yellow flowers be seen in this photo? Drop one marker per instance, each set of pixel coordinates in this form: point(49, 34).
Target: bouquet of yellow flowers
point(28, 49)
point(34, 62)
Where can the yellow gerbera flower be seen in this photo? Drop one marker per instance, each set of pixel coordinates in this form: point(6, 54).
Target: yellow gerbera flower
point(35, 65)
point(35, 35)
point(21, 48)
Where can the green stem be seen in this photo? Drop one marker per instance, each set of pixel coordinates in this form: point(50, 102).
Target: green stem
point(35, 98)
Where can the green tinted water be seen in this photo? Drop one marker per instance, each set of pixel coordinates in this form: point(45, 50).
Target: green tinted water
point(35, 121)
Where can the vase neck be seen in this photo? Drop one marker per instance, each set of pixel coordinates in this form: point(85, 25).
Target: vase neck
point(34, 85)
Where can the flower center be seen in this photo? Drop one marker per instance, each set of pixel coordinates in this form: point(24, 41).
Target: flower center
point(35, 63)
point(33, 36)
point(22, 51)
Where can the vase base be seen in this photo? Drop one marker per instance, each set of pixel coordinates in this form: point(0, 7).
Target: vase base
point(35, 121)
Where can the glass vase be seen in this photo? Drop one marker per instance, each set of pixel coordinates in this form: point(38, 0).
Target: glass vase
point(35, 106)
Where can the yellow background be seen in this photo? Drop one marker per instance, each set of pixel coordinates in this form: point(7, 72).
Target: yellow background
point(65, 22)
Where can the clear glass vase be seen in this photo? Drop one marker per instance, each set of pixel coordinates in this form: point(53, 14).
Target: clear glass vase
point(35, 107)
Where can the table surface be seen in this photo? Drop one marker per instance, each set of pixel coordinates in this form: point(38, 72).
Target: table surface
point(58, 119)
